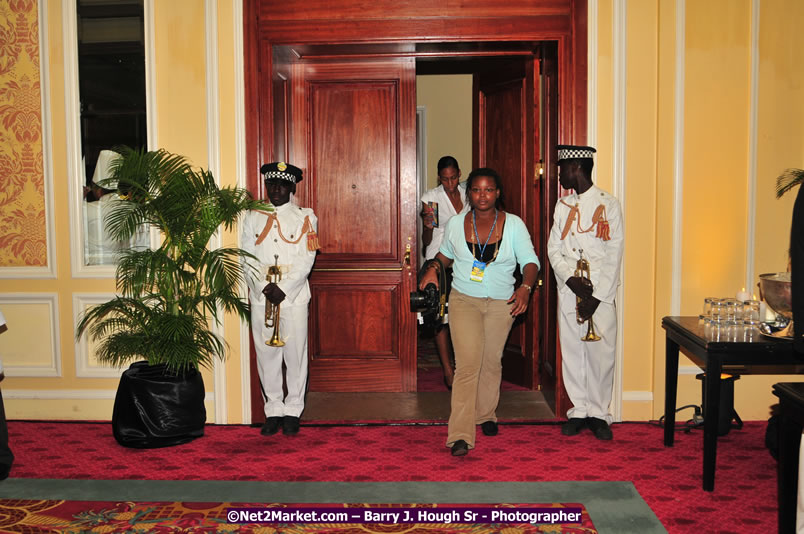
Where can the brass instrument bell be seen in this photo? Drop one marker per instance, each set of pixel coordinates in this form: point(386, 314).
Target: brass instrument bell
point(582, 271)
point(273, 276)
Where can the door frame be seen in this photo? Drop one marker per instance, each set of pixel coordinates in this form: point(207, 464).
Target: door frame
point(408, 29)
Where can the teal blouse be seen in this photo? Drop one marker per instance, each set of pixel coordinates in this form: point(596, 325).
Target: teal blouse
point(498, 280)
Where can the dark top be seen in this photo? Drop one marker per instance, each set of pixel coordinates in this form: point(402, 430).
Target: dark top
point(488, 252)
point(797, 269)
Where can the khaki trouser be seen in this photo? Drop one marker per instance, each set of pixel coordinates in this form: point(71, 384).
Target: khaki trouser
point(479, 328)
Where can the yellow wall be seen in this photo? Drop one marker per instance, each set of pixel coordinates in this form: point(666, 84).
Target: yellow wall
point(448, 103)
point(717, 184)
point(35, 387)
point(716, 197)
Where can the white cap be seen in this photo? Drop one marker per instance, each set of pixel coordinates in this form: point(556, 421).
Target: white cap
point(102, 171)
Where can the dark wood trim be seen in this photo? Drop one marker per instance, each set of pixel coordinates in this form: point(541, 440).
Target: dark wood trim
point(251, 66)
point(417, 30)
point(253, 141)
point(563, 22)
point(280, 11)
point(580, 24)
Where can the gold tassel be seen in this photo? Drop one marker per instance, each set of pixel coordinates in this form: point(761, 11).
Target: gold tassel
point(312, 240)
point(603, 230)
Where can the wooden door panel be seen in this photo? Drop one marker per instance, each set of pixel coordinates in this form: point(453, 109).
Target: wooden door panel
point(504, 127)
point(355, 141)
point(355, 333)
point(504, 103)
point(357, 136)
point(504, 141)
point(375, 376)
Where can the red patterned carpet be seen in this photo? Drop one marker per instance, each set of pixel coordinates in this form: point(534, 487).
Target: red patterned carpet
point(668, 479)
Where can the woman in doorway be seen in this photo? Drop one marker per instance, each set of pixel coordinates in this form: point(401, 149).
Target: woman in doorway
point(439, 205)
point(483, 246)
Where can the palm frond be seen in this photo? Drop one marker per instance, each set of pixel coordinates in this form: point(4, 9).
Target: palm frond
point(168, 295)
point(789, 179)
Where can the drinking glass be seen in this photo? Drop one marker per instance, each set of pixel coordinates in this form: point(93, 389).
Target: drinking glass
point(751, 310)
point(734, 330)
point(751, 331)
point(718, 310)
point(731, 309)
point(707, 308)
point(717, 331)
point(707, 324)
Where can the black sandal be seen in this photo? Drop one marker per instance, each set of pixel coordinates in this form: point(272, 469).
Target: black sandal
point(460, 448)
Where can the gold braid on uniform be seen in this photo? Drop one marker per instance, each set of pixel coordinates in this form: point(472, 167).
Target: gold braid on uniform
point(307, 229)
point(599, 221)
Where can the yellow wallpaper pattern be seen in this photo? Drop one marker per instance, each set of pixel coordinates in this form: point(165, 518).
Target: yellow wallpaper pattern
point(22, 183)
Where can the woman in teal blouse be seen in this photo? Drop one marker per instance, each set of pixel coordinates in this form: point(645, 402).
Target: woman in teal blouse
point(483, 246)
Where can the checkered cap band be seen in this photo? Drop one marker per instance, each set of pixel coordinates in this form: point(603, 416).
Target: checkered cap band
point(574, 153)
point(279, 174)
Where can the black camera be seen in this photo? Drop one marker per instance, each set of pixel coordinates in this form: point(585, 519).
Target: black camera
point(426, 301)
point(430, 301)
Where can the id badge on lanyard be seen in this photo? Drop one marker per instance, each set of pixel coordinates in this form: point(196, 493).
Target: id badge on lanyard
point(478, 270)
point(479, 267)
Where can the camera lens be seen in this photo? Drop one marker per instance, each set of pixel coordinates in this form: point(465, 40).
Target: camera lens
point(418, 301)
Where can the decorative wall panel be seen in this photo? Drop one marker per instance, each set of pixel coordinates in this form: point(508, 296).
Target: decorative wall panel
point(30, 346)
point(23, 235)
point(86, 364)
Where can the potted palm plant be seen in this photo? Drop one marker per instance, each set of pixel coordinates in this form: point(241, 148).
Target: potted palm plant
point(168, 297)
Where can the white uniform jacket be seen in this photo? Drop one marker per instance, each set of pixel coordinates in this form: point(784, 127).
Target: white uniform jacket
point(445, 212)
point(295, 260)
point(604, 257)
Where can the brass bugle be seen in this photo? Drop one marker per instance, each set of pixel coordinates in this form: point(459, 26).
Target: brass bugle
point(582, 270)
point(274, 276)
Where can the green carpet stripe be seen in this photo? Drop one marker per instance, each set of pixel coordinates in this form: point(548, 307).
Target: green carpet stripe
point(615, 507)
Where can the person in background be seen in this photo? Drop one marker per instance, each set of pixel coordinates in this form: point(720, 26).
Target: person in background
point(439, 205)
point(285, 238)
point(99, 247)
point(6, 456)
point(586, 222)
point(483, 246)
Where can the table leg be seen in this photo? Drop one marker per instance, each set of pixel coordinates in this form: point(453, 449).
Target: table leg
point(789, 440)
point(714, 367)
point(670, 390)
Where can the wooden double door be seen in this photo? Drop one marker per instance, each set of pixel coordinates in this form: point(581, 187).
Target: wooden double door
point(331, 87)
point(350, 123)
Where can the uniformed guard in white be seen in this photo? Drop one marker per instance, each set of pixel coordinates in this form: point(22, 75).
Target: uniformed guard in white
point(285, 238)
point(588, 222)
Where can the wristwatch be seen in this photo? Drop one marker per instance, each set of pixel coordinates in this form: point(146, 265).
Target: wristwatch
point(526, 286)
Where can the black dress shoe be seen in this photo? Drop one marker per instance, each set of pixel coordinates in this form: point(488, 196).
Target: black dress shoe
point(573, 426)
point(489, 428)
point(4, 471)
point(600, 428)
point(459, 448)
point(290, 426)
point(271, 426)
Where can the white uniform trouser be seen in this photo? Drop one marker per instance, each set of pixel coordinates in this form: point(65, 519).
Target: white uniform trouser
point(587, 366)
point(293, 331)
